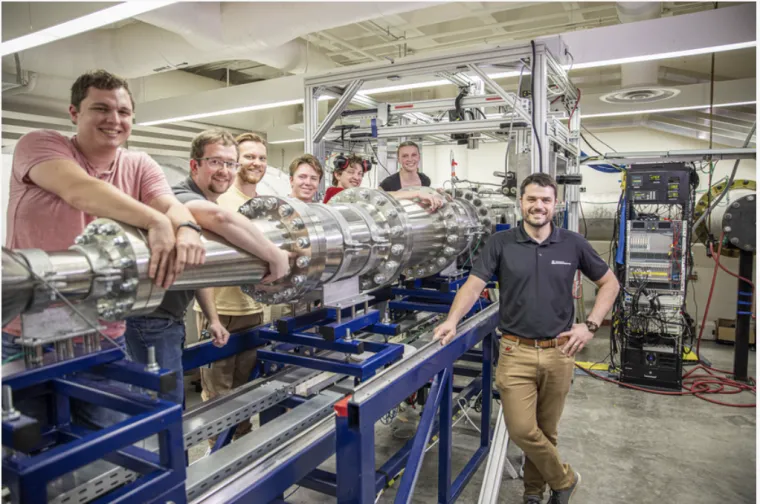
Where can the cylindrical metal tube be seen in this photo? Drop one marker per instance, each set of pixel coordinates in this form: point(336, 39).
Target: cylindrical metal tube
point(225, 265)
point(18, 285)
point(362, 232)
point(74, 270)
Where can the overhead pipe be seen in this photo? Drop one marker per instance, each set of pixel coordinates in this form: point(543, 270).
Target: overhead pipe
point(647, 72)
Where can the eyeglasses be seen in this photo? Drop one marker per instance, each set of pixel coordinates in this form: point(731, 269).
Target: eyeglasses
point(218, 163)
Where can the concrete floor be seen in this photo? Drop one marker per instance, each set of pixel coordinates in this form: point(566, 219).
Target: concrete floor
point(630, 446)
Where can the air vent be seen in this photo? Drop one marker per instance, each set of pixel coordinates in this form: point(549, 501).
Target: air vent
point(639, 95)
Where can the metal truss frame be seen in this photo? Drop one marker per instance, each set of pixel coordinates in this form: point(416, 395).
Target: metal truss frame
point(549, 80)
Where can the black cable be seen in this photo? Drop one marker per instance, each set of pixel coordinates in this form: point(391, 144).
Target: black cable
point(378, 159)
point(585, 226)
point(533, 106)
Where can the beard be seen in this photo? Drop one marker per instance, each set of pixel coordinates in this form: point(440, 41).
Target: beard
point(250, 175)
point(218, 186)
point(538, 220)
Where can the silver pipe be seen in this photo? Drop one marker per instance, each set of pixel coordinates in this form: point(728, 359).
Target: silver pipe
point(362, 232)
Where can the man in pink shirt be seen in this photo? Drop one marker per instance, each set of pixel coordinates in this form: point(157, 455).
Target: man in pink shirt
point(59, 185)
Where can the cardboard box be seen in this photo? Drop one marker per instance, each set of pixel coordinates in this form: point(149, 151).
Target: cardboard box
point(725, 331)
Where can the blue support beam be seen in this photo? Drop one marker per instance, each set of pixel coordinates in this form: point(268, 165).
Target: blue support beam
point(313, 340)
point(321, 481)
point(22, 434)
point(134, 374)
point(354, 460)
point(98, 393)
point(421, 439)
point(53, 370)
point(385, 329)
point(338, 330)
point(444, 436)
point(288, 325)
point(131, 457)
point(362, 370)
point(418, 306)
point(467, 473)
point(204, 353)
point(441, 297)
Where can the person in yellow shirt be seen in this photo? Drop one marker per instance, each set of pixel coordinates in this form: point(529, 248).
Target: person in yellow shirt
point(237, 311)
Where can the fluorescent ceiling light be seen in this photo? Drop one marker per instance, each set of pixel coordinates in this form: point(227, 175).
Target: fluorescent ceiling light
point(82, 24)
point(286, 141)
point(673, 109)
point(251, 108)
point(655, 57)
point(222, 112)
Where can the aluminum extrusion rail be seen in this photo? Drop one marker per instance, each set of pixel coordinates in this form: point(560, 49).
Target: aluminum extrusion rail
point(207, 471)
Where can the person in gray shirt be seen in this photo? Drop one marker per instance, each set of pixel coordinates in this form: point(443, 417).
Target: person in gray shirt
point(213, 164)
point(535, 264)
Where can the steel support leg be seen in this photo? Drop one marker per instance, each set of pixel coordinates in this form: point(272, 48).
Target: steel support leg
point(743, 314)
point(421, 439)
point(444, 438)
point(355, 461)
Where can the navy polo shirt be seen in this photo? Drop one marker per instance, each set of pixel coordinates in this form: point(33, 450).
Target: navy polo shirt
point(536, 280)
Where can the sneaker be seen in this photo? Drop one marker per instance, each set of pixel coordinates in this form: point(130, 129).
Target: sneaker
point(563, 496)
point(532, 499)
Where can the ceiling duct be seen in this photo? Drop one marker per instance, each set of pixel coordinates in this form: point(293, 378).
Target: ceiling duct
point(639, 81)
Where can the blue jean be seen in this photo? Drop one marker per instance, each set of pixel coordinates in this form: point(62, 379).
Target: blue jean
point(91, 415)
point(168, 338)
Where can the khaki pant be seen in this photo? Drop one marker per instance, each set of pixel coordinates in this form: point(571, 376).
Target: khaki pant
point(533, 384)
point(232, 372)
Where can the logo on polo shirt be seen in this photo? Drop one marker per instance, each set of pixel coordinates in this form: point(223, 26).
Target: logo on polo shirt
point(562, 262)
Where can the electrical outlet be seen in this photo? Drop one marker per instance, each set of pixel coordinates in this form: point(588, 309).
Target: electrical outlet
point(583, 189)
point(694, 276)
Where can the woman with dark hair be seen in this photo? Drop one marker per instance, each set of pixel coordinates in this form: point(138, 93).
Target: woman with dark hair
point(348, 173)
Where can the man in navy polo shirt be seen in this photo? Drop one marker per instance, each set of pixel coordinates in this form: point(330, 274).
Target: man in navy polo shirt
point(536, 264)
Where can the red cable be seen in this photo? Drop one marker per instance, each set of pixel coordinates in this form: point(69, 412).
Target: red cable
point(695, 385)
point(709, 297)
point(575, 107)
point(717, 262)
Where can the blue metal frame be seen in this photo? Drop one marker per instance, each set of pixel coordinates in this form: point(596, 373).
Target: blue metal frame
point(52, 369)
point(162, 474)
point(357, 480)
point(362, 370)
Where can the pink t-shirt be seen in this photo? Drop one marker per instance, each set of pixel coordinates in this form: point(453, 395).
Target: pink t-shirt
point(40, 219)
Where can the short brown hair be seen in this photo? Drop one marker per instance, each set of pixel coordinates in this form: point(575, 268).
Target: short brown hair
point(309, 160)
point(540, 179)
point(408, 143)
point(99, 79)
point(352, 159)
point(250, 137)
point(208, 137)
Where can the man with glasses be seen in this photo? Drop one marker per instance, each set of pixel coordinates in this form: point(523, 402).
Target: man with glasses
point(213, 165)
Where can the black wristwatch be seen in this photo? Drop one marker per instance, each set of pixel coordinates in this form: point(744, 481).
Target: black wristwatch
point(191, 225)
point(592, 326)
